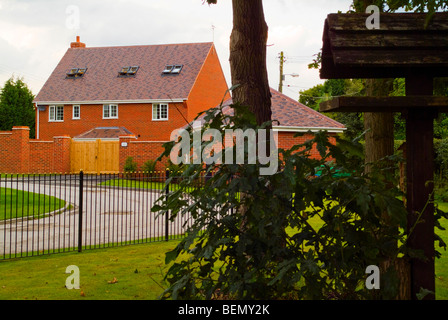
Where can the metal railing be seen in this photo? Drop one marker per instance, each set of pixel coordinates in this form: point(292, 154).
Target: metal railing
point(53, 213)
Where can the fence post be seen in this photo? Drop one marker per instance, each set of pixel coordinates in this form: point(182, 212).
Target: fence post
point(167, 176)
point(81, 187)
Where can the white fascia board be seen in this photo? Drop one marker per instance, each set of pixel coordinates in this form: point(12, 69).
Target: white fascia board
point(94, 139)
point(306, 129)
point(42, 103)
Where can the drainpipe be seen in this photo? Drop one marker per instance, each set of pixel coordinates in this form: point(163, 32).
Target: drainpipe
point(37, 121)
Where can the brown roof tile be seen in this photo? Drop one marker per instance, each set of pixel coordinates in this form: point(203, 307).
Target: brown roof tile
point(291, 113)
point(101, 81)
point(104, 133)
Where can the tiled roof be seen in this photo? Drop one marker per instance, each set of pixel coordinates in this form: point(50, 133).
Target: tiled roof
point(103, 133)
point(102, 83)
point(292, 114)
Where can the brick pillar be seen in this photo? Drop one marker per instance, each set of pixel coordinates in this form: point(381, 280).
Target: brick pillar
point(61, 154)
point(20, 139)
point(124, 149)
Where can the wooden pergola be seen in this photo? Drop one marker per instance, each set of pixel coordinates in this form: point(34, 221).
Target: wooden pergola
point(405, 46)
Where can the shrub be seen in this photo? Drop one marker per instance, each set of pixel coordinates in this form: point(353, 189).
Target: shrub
point(130, 165)
point(149, 166)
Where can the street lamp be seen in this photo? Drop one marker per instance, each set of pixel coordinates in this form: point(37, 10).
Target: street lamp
point(294, 75)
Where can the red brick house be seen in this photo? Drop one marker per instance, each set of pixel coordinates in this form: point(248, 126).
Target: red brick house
point(147, 90)
point(118, 102)
point(102, 105)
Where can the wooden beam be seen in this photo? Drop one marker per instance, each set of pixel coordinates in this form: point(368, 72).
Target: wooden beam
point(382, 40)
point(404, 42)
point(420, 187)
point(395, 22)
point(385, 104)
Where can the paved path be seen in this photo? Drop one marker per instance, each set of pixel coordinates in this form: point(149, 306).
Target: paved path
point(110, 215)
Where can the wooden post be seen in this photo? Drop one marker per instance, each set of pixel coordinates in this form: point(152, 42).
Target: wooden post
point(420, 176)
point(282, 60)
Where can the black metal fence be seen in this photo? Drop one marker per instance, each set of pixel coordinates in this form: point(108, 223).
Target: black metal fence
point(44, 214)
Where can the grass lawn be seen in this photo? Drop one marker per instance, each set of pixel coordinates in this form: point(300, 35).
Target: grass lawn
point(134, 184)
point(119, 273)
point(18, 203)
point(442, 263)
point(137, 184)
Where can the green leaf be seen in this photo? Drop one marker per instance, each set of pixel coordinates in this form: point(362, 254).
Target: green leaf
point(423, 293)
point(172, 255)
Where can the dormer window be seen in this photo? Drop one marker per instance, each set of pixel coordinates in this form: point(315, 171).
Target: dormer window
point(172, 69)
point(76, 73)
point(128, 71)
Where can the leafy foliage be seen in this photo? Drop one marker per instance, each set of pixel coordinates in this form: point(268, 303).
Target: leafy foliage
point(149, 166)
point(293, 235)
point(333, 88)
point(16, 106)
point(130, 165)
point(430, 6)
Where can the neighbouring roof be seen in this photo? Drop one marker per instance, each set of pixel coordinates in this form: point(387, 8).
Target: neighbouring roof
point(293, 116)
point(102, 82)
point(106, 133)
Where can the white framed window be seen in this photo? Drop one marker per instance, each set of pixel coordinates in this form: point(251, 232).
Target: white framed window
point(76, 112)
point(56, 113)
point(160, 111)
point(110, 111)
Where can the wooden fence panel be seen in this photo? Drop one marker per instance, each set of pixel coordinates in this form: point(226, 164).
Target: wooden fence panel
point(95, 156)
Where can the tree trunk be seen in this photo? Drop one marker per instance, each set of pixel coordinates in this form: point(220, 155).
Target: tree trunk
point(380, 135)
point(380, 144)
point(248, 58)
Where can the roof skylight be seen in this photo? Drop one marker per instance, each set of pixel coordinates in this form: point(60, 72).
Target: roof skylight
point(76, 72)
point(168, 69)
point(172, 69)
point(128, 71)
point(177, 68)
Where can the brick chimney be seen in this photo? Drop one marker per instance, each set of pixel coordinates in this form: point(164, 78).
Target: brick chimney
point(77, 44)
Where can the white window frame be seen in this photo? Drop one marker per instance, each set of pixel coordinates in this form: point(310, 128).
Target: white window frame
point(76, 106)
point(157, 114)
point(54, 118)
point(177, 69)
point(108, 108)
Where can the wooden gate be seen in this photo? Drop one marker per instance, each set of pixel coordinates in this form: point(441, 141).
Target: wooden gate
point(97, 156)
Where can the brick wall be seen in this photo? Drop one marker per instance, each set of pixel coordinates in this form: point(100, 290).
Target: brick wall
point(43, 156)
point(140, 151)
point(19, 154)
point(8, 162)
point(286, 140)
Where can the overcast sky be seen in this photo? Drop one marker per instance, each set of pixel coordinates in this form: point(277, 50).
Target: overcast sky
point(35, 34)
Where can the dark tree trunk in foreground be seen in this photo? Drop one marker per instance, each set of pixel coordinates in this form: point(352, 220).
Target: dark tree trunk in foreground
point(248, 58)
point(380, 126)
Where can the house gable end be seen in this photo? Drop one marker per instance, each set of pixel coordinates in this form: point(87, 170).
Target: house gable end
point(210, 87)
